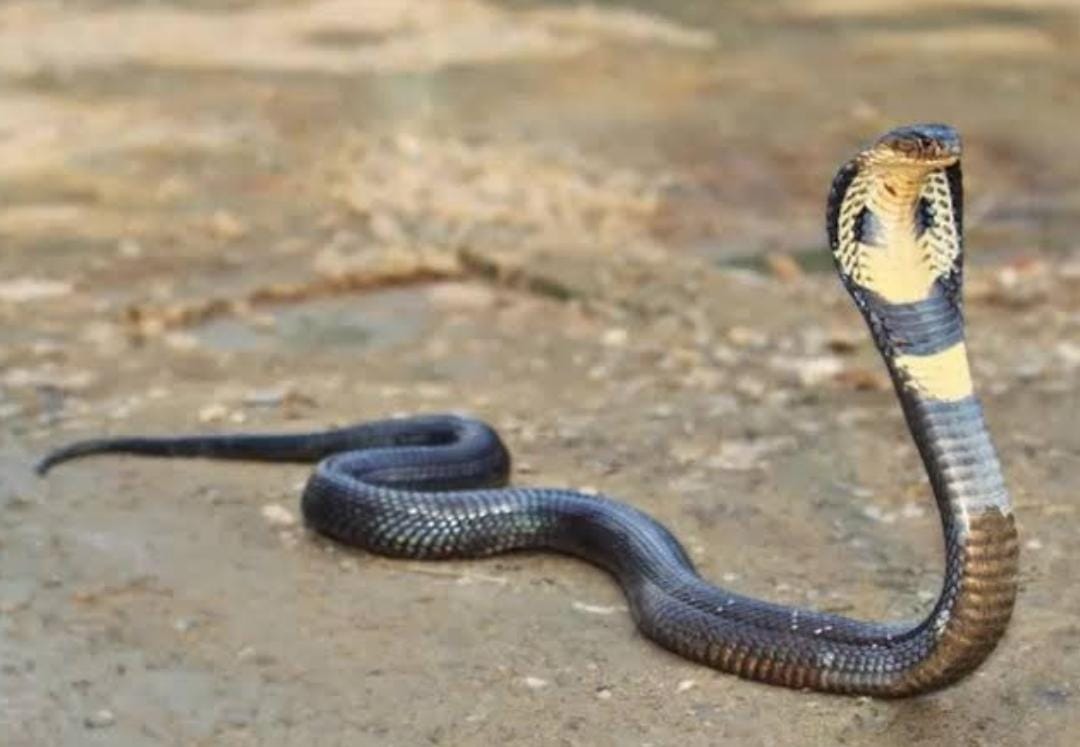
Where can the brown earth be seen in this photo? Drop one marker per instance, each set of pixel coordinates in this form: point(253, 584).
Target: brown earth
point(598, 227)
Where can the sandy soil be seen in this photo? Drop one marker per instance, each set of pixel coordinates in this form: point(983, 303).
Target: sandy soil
point(599, 227)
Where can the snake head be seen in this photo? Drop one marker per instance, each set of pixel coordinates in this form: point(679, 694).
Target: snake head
point(920, 147)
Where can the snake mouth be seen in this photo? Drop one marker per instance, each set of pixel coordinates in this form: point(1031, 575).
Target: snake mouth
point(927, 146)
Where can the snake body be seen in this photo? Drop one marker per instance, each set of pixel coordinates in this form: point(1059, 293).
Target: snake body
point(436, 486)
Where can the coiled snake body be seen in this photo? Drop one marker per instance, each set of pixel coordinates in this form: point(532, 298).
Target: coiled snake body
point(434, 486)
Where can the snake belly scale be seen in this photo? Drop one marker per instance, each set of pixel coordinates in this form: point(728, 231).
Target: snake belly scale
point(435, 486)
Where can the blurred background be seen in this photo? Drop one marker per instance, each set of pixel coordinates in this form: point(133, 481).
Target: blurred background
point(598, 225)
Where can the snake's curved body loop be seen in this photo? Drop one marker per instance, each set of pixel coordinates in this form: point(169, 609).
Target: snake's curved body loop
point(434, 486)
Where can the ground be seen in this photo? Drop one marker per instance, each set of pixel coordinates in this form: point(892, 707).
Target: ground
point(598, 227)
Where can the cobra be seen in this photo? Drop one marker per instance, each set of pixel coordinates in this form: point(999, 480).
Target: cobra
point(436, 486)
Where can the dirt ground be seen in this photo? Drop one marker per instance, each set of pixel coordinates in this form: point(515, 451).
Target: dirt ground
point(598, 227)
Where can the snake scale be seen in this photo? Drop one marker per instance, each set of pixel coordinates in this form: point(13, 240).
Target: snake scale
point(436, 486)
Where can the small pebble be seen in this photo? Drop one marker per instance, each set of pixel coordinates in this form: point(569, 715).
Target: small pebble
point(616, 338)
point(129, 249)
point(213, 413)
point(181, 341)
point(1069, 353)
point(784, 267)
point(226, 226)
point(534, 683)
point(265, 397)
point(277, 515)
point(102, 719)
point(597, 609)
point(184, 624)
point(876, 513)
point(912, 511)
point(746, 337)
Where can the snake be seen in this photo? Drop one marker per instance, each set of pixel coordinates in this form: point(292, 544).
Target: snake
point(437, 486)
